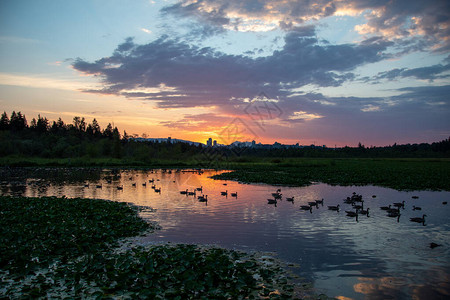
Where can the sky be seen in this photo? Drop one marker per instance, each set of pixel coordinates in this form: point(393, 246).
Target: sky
point(310, 72)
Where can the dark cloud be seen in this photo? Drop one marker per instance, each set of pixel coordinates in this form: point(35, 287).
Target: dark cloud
point(426, 73)
point(203, 76)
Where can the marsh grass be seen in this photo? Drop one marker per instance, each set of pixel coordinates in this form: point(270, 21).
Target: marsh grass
point(399, 174)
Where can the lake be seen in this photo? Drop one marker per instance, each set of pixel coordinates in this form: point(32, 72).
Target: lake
point(371, 257)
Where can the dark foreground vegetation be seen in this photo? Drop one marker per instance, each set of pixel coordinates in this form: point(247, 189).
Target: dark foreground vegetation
point(68, 248)
point(407, 167)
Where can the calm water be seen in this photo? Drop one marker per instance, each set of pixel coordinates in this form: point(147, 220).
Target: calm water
point(376, 257)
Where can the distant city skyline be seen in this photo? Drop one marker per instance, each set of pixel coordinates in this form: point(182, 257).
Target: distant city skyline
point(327, 72)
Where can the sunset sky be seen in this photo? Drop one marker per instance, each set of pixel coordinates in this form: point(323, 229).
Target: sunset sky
point(323, 72)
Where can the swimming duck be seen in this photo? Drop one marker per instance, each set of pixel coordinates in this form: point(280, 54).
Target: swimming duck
point(418, 219)
point(351, 213)
point(400, 204)
point(364, 212)
point(272, 201)
point(306, 207)
point(334, 207)
point(203, 198)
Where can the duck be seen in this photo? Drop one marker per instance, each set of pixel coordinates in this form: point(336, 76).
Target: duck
point(393, 210)
point(415, 197)
point(203, 198)
point(364, 212)
point(418, 219)
point(349, 201)
point(192, 193)
point(234, 194)
point(393, 214)
point(334, 207)
point(357, 206)
point(120, 187)
point(385, 207)
point(276, 195)
point(400, 204)
point(184, 192)
point(434, 245)
point(200, 189)
point(279, 191)
point(133, 184)
point(158, 190)
point(417, 207)
point(224, 193)
point(351, 213)
point(320, 201)
point(313, 203)
point(86, 185)
point(99, 186)
point(306, 207)
point(290, 199)
point(144, 184)
point(272, 201)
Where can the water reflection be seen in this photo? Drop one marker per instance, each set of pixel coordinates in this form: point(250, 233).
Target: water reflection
point(373, 256)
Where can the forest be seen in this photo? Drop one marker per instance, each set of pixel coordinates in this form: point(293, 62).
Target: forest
point(81, 140)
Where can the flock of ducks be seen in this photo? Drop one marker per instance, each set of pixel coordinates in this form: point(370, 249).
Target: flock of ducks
point(392, 210)
point(355, 201)
point(356, 209)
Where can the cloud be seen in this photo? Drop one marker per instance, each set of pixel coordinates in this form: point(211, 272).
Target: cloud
point(400, 19)
point(203, 77)
point(41, 82)
point(148, 31)
point(199, 122)
point(430, 73)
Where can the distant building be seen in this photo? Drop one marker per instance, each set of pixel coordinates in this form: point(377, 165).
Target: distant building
point(209, 142)
point(215, 143)
point(169, 140)
point(253, 143)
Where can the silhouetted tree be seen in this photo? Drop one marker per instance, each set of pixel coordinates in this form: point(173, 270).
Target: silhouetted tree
point(96, 130)
point(4, 121)
point(79, 124)
point(117, 149)
point(108, 132)
point(18, 121)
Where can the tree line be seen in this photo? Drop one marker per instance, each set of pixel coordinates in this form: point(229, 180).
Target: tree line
point(80, 139)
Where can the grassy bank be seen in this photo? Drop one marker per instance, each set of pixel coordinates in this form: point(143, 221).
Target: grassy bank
point(400, 174)
point(397, 173)
point(68, 248)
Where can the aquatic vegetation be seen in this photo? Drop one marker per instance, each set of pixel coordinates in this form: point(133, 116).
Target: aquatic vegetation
point(68, 248)
point(36, 231)
point(164, 272)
